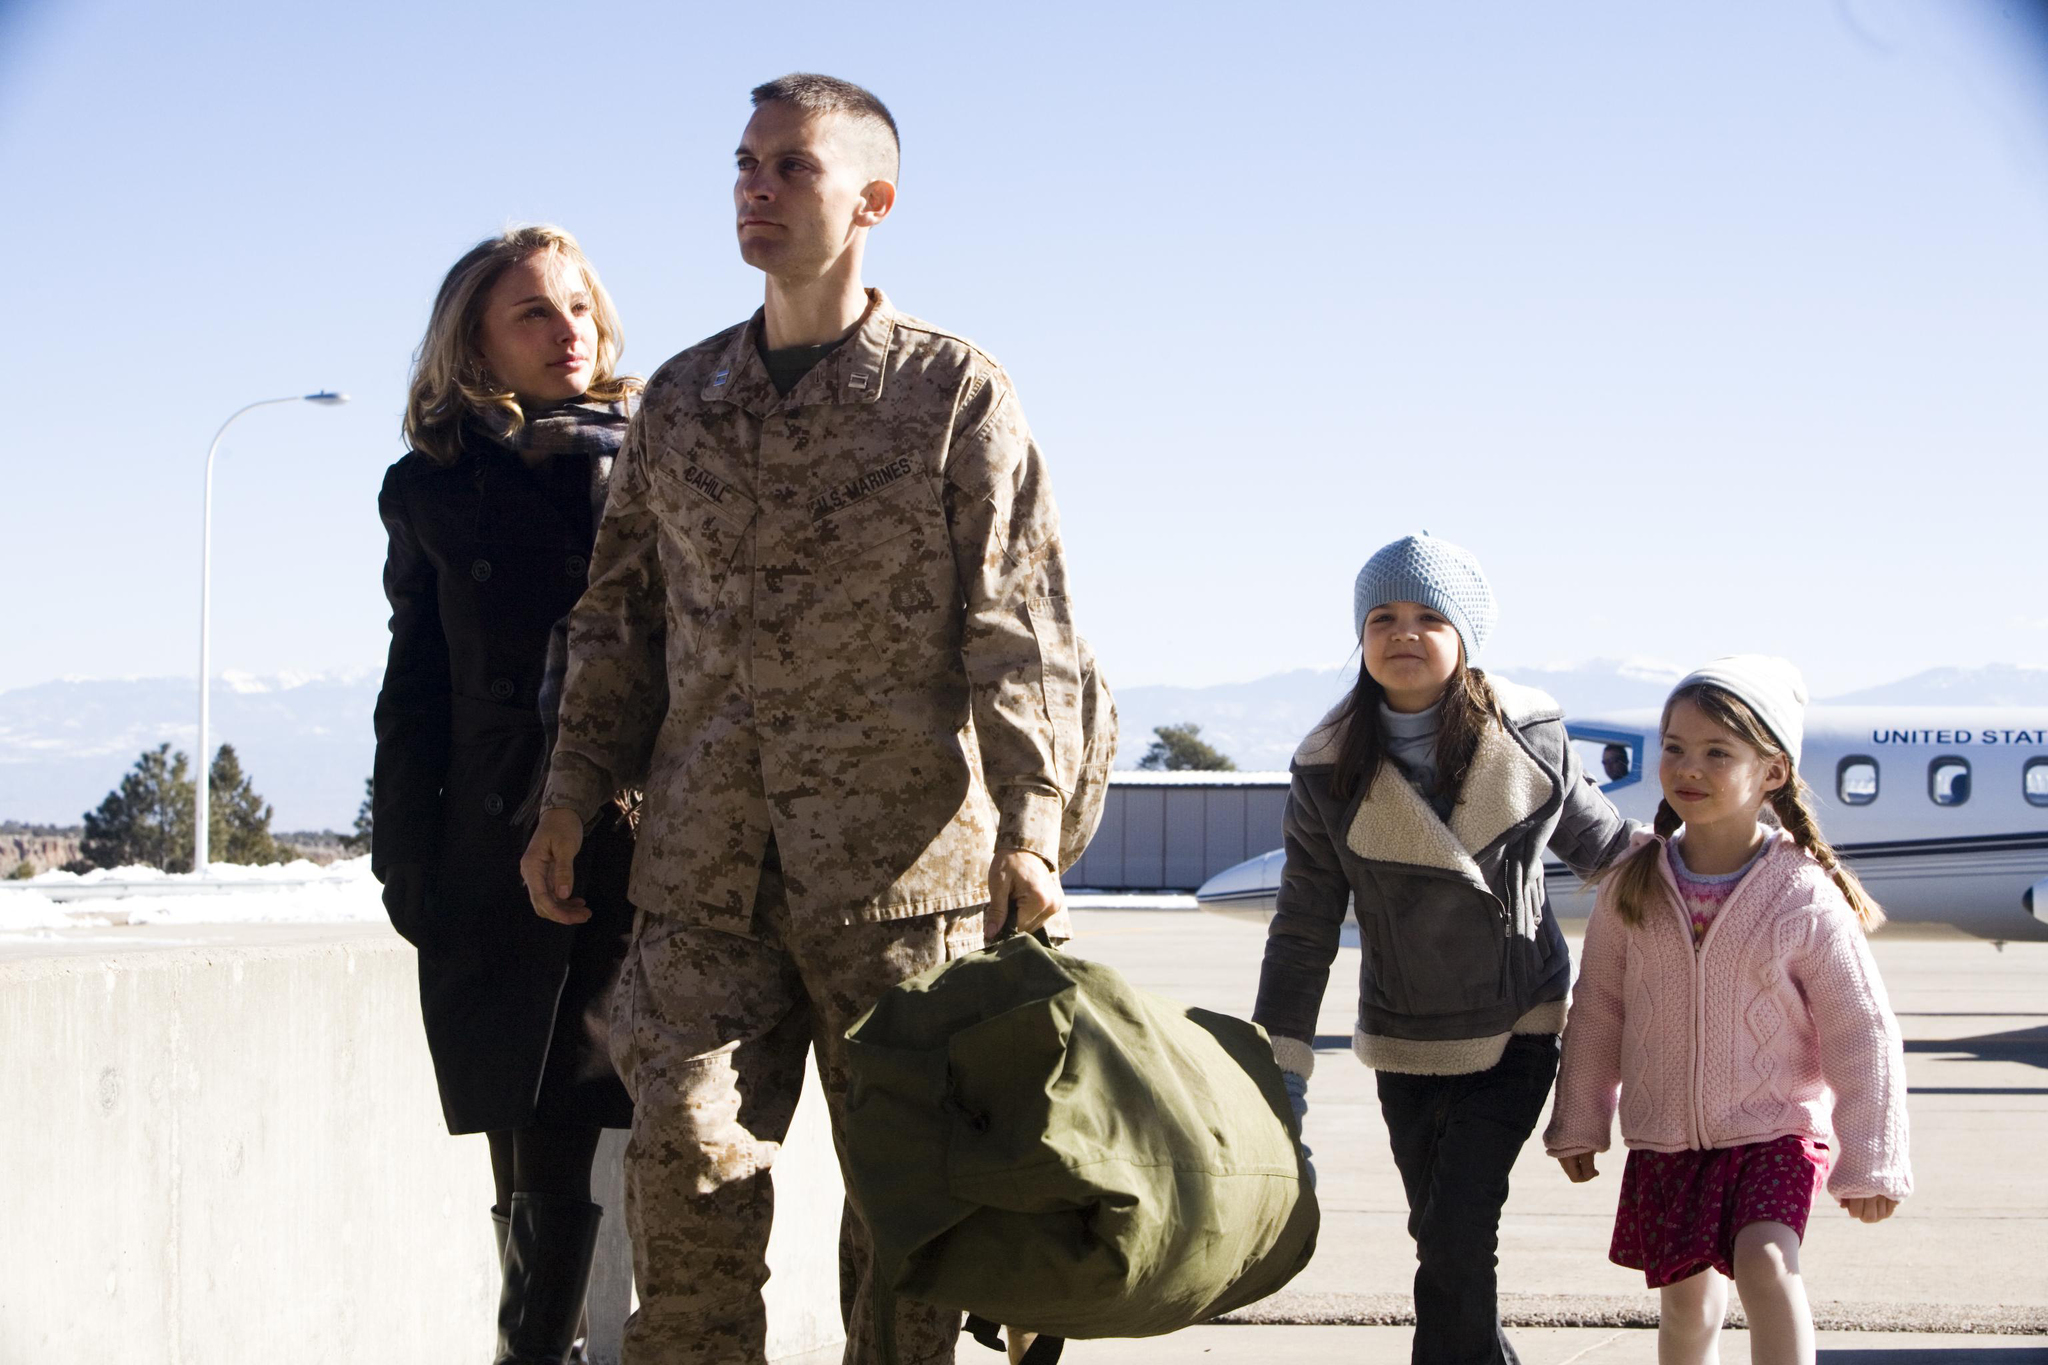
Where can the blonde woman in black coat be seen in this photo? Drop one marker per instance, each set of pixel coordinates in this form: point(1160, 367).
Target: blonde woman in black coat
point(514, 415)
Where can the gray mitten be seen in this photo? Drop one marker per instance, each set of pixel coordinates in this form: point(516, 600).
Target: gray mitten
point(1297, 1097)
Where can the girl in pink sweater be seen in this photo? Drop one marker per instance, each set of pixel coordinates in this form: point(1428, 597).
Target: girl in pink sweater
point(1727, 999)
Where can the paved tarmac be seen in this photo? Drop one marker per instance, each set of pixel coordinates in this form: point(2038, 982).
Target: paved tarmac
point(1960, 1273)
point(1536, 1346)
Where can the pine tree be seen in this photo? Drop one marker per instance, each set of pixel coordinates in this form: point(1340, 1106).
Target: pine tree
point(148, 818)
point(359, 842)
point(238, 830)
point(1180, 748)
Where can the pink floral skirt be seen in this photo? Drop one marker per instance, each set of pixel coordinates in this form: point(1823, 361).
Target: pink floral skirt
point(1680, 1211)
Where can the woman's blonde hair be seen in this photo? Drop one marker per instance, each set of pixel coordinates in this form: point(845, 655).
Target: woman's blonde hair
point(449, 379)
point(1636, 878)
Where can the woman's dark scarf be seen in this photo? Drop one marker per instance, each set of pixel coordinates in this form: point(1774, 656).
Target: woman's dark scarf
point(576, 428)
point(596, 430)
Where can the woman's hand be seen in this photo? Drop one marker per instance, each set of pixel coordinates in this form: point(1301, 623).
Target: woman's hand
point(1027, 879)
point(1579, 1166)
point(549, 867)
point(1870, 1208)
point(405, 901)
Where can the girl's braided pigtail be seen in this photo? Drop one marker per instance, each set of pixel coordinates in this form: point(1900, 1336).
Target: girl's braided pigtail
point(1636, 876)
point(1796, 815)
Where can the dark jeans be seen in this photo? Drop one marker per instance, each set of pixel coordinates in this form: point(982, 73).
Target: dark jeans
point(1455, 1139)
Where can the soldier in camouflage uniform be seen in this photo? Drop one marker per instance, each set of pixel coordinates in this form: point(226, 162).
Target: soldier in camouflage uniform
point(827, 631)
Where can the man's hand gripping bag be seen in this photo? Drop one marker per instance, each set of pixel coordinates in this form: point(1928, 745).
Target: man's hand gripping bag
point(1035, 1142)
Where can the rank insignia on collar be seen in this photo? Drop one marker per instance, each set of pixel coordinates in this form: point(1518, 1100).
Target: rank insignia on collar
point(719, 379)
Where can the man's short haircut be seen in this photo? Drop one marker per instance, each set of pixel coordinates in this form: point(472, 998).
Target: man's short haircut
point(815, 94)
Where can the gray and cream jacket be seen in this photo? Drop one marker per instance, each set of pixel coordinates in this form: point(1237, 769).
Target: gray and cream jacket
point(1459, 949)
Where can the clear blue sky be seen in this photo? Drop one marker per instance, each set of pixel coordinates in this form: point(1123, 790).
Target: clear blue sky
point(1709, 326)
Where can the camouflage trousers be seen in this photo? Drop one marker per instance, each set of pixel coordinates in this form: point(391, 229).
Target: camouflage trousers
point(710, 1031)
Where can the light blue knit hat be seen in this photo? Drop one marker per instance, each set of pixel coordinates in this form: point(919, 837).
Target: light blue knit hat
point(1441, 576)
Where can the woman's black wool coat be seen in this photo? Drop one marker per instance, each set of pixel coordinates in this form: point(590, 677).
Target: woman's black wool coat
point(485, 556)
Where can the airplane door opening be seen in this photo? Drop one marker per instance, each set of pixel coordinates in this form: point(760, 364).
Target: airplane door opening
point(1613, 758)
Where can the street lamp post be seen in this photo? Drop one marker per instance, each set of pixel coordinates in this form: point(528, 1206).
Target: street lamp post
point(204, 805)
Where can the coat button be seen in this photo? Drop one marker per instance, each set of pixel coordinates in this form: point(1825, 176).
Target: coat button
point(480, 570)
point(494, 804)
point(575, 566)
point(501, 689)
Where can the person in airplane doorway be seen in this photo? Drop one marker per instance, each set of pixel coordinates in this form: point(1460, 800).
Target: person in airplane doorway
point(515, 414)
point(1614, 761)
point(1792, 1075)
point(828, 629)
point(1428, 798)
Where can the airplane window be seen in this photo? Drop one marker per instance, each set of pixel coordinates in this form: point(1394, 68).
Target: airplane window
point(1948, 781)
point(1856, 780)
point(2035, 781)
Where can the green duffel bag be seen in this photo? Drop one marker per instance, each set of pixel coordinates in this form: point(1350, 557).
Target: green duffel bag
point(1035, 1142)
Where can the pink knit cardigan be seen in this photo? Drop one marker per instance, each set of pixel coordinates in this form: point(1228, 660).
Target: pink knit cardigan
point(1743, 1040)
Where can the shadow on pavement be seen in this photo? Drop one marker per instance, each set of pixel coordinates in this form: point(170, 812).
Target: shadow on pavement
point(1937, 1355)
point(2028, 1046)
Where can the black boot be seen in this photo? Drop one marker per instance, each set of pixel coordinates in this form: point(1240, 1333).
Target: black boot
point(579, 1349)
point(548, 1251)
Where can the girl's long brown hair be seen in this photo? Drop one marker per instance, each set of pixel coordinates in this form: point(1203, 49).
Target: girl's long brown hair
point(1469, 706)
point(1637, 879)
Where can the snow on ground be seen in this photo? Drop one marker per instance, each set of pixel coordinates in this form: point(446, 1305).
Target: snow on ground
point(21, 910)
point(1130, 900)
point(281, 893)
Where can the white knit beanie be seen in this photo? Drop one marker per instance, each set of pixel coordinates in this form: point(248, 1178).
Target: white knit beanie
point(1768, 685)
point(1441, 576)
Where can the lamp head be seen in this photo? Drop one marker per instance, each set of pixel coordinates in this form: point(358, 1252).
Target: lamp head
point(327, 398)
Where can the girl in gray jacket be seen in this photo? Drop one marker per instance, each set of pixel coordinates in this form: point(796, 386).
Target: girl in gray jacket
point(1427, 799)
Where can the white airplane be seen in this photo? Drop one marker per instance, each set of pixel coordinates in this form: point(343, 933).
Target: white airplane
point(1942, 811)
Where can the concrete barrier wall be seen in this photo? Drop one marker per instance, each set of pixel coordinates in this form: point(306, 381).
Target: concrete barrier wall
point(233, 1153)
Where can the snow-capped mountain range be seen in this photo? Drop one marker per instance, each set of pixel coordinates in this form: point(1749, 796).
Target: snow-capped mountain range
point(306, 740)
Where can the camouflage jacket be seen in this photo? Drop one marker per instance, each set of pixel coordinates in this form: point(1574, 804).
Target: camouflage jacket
point(838, 618)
